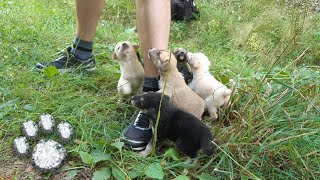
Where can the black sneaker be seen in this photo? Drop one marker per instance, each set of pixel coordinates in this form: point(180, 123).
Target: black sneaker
point(68, 62)
point(138, 134)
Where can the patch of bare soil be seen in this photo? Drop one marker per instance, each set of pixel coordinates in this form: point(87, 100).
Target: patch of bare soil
point(84, 174)
point(22, 169)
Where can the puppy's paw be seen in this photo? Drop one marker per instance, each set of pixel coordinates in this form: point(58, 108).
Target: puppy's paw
point(213, 116)
point(124, 88)
point(213, 113)
point(191, 161)
point(180, 54)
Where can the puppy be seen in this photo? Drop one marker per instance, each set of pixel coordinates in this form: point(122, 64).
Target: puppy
point(182, 65)
point(132, 72)
point(188, 132)
point(177, 90)
point(206, 86)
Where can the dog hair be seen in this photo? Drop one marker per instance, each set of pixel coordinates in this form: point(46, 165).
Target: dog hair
point(182, 65)
point(206, 86)
point(132, 72)
point(180, 94)
point(188, 132)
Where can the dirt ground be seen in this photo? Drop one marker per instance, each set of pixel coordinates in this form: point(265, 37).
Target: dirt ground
point(22, 169)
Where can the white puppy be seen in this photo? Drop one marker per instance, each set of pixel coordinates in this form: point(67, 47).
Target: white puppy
point(132, 72)
point(206, 86)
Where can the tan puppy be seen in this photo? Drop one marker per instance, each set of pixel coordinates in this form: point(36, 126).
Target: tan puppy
point(177, 90)
point(206, 86)
point(132, 72)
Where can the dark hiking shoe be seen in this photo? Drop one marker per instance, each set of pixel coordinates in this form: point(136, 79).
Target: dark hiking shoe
point(68, 62)
point(138, 134)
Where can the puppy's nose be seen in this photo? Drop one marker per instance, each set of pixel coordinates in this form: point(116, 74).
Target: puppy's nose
point(125, 45)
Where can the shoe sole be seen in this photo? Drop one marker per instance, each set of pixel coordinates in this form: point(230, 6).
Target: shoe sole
point(140, 145)
point(74, 69)
point(139, 149)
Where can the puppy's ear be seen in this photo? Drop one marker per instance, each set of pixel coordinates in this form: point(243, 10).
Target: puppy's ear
point(135, 47)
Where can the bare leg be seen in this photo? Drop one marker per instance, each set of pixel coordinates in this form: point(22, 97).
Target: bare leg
point(153, 24)
point(88, 14)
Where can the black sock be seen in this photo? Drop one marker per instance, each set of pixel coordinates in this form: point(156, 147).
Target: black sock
point(82, 49)
point(150, 84)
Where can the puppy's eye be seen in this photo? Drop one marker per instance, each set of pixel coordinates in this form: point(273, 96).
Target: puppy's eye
point(118, 48)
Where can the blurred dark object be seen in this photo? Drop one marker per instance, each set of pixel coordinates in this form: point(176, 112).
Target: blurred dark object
point(184, 10)
point(182, 65)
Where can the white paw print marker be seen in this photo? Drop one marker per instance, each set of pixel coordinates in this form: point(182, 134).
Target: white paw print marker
point(48, 155)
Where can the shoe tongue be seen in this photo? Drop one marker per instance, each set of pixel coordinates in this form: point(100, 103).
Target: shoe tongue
point(142, 121)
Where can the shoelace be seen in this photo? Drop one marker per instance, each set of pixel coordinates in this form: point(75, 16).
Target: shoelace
point(63, 51)
point(142, 121)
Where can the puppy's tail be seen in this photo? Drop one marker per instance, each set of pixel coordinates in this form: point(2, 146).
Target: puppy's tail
point(207, 146)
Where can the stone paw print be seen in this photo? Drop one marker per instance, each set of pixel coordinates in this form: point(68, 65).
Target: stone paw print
point(47, 155)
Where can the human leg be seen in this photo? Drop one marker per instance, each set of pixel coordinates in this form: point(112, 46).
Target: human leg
point(80, 55)
point(88, 15)
point(153, 24)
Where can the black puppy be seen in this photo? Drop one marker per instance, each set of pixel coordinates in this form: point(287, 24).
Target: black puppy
point(188, 132)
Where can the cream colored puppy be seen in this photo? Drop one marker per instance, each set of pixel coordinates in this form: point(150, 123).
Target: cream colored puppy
point(206, 86)
point(177, 90)
point(132, 72)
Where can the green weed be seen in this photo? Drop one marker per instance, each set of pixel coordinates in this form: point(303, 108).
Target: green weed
point(270, 48)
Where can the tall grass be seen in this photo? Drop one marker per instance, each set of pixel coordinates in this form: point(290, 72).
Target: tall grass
point(270, 48)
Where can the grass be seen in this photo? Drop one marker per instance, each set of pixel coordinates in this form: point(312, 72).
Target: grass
point(271, 49)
